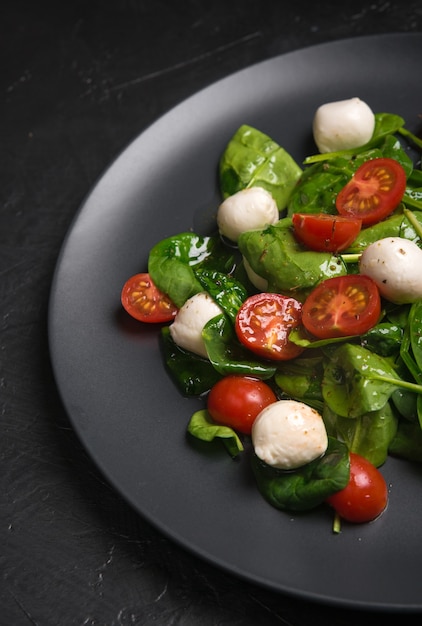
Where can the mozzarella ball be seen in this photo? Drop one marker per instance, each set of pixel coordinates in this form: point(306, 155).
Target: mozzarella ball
point(257, 281)
point(343, 125)
point(186, 330)
point(394, 263)
point(245, 210)
point(288, 434)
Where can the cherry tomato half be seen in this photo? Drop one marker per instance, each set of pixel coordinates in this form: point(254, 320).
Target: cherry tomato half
point(374, 191)
point(237, 400)
point(341, 306)
point(326, 233)
point(264, 322)
point(145, 302)
point(365, 496)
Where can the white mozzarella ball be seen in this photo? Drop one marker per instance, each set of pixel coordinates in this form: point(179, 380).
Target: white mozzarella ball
point(343, 125)
point(186, 330)
point(257, 281)
point(247, 209)
point(288, 434)
point(395, 264)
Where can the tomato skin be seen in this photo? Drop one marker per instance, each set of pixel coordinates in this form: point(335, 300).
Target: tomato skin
point(365, 496)
point(263, 324)
point(142, 299)
point(374, 191)
point(325, 233)
point(342, 306)
point(237, 400)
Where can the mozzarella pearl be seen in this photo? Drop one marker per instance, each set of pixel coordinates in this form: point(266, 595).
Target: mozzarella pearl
point(186, 330)
point(343, 125)
point(394, 263)
point(247, 209)
point(288, 434)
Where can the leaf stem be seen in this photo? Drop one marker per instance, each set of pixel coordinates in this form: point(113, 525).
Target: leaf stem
point(414, 222)
point(351, 258)
point(398, 382)
point(406, 133)
point(337, 523)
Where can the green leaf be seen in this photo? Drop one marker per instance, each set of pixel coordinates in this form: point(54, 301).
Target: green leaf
point(227, 292)
point(407, 443)
point(192, 375)
point(275, 254)
point(172, 261)
point(202, 427)
point(253, 159)
point(308, 486)
point(227, 355)
point(300, 379)
point(351, 384)
point(369, 435)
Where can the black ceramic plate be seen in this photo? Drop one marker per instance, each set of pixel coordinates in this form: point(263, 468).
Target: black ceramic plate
point(126, 410)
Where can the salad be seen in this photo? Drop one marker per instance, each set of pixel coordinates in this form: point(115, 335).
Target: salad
point(299, 320)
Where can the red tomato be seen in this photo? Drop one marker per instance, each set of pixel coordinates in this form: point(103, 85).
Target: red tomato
point(326, 233)
point(374, 191)
point(145, 302)
point(237, 400)
point(365, 496)
point(342, 306)
point(264, 322)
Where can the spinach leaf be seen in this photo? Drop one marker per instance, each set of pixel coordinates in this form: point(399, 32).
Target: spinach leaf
point(407, 443)
point(318, 187)
point(228, 292)
point(275, 254)
point(192, 375)
point(384, 338)
point(308, 486)
point(253, 159)
point(415, 332)
point(172, 261)
point(300, 379)
point(226, 353)
point(354, 381)
point(369, 435)
point(202, 427)
point(397, 225)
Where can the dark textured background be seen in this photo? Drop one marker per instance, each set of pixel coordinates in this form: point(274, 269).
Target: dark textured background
point(79, 81)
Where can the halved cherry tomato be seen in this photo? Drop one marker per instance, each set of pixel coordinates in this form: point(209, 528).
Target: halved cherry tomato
point(145, 302)
point(365, 496)
point(326, 233)
point(374, 191)
point(264, 322)
point(237, 400)
point(342, 306)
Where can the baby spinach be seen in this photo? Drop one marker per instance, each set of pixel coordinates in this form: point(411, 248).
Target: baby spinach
point(227, 292)
point(252, 159)
point(385, 339)
point(408, 441)
point(300, 379)
point(309, 485)
point(357, 381)
point(192, 375)
point(172, 261)
point(318, 187)
point(275, 254)
point(227, 355)
point(202, 427)
point(369, 435)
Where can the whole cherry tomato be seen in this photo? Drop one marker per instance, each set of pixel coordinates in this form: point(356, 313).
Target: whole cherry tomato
point(365, 496)
point(237, 400)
